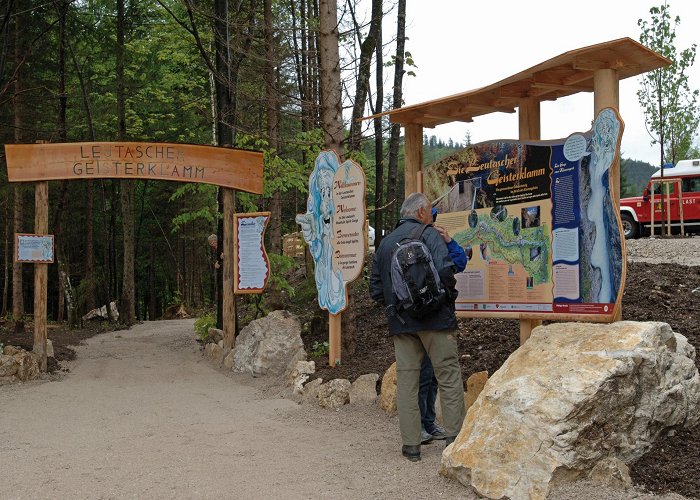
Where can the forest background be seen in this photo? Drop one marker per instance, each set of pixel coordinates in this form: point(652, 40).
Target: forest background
point(254, 74)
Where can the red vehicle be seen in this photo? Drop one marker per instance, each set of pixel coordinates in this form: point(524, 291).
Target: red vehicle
point(636, 212)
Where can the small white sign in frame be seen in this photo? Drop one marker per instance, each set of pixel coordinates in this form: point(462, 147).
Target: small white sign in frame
point(37, 248)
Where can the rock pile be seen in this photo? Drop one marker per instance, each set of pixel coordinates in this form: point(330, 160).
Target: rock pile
point(18, 364)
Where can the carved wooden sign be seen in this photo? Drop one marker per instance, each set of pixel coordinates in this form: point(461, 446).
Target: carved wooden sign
point(226, 167)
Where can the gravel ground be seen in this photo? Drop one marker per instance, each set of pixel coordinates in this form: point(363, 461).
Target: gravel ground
point(142, 414)
point(683, 251)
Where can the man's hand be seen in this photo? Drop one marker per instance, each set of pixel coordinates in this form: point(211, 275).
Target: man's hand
point(443, 233)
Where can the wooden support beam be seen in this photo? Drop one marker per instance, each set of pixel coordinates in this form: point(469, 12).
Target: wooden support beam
point(413, 149)
point(529, 129)
point(229, 299)
point(529, 119)
point(561, 86)
point(606, 94)
point(41, 226)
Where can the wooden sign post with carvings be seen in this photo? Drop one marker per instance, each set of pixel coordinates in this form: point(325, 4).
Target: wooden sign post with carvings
point(231, 169)
point(334, 228)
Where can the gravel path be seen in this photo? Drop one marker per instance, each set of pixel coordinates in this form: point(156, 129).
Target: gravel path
point(142, 414)
point(683, 251)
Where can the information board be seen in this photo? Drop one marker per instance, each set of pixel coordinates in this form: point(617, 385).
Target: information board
point(334, 227)
point(537, 222)
point(36, 248)
point(252, 267)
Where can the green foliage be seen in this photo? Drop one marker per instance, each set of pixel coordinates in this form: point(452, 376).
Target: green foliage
point(203, 323)
point(670, 106)
point(319, 349)
point(279, 266)
point(635, 175)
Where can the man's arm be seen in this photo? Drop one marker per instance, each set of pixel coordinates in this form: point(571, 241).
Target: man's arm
point(459, 258)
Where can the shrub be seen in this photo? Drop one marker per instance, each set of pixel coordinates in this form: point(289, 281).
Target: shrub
point(203, 323)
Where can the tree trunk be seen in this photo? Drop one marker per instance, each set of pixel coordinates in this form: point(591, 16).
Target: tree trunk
point(367, 47)
point(331, 106)
point(273, 126)
point(127, 311)
point(379, 146)
point(18, 212)
point(392, 200)
point(91, 290)
point(66, 293)
point(6, 263)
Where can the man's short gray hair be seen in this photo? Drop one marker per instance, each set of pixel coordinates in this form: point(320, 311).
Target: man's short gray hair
point(412, 203)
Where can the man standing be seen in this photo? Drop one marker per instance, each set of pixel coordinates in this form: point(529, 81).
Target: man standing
point(416, 335)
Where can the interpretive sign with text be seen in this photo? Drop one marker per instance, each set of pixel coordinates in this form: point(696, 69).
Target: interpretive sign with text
point(37, 248)
point(226, 167)
point(537, 222)
point(252, 267)
point(334, 227)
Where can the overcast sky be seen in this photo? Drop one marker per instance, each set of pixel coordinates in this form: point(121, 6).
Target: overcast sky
point(459, 45)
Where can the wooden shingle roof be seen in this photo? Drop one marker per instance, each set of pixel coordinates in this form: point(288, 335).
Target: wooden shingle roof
point(563, 75)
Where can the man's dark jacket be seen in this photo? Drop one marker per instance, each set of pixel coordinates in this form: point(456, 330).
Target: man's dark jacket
point(380, 288)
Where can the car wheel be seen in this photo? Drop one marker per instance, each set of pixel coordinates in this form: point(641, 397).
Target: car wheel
point(630, 228)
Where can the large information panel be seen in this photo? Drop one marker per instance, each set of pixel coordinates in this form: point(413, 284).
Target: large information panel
point(537, 222)
point(333, 226)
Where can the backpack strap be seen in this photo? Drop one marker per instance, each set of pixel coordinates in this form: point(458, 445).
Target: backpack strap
point(417, 232)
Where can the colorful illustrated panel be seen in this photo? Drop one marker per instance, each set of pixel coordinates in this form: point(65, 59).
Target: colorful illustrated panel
point(537, 223)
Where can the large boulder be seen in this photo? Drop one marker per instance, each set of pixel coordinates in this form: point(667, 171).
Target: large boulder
point(269, 346)
point(573, 396)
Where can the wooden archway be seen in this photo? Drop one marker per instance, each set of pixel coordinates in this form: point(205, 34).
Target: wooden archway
point(230, 169)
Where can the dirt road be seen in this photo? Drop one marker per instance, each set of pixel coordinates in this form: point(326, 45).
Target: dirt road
point(142, 414)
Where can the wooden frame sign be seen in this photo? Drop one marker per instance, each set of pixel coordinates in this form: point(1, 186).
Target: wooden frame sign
point(36, 248)
point(226, 167)
point(538, 223)
point(251, 264)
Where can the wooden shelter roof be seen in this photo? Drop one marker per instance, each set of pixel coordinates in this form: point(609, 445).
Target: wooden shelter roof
point(563, 75)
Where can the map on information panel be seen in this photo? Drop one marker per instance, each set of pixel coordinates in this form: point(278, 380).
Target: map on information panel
point(537, 223)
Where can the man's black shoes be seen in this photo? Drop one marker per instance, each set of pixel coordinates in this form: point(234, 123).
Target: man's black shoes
point(449, 441)
point(412, 452)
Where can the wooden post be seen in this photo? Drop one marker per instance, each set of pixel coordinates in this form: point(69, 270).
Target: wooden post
point(334, 339)
point(413, 149)
point(529, 129)
point(229, 304)
point(606, 94)
point(680, 205)
point(41, 226)
point(529, 119)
